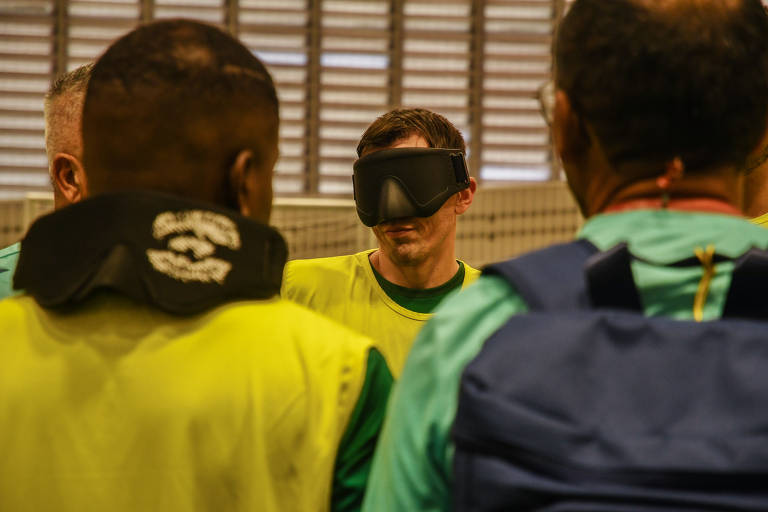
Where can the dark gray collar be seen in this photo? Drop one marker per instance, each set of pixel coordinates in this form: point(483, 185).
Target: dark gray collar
point(180, 256)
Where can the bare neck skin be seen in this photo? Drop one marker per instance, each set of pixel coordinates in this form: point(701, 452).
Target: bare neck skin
point(437, 268)
point(598, 186)
point(609, 189)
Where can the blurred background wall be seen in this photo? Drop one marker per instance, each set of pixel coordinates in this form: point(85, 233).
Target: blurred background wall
point(338, 64)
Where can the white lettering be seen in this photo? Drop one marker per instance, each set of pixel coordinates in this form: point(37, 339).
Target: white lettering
point(183, 269)
point(217, 228)
point(209, 229)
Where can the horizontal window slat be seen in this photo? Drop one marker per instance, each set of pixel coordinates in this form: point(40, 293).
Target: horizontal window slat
point(351, 89)
point(355, 30)
point(283, 42)
point(516, 75)
point(515, 137)
point(437, 35)
point(541, 43)
point(23, 159)
point(30, 13)
point(367, 45)
point(22, 77)
point(356, 7)
point(6, 149)
point(537, 145)
point(22, 140)
point(94, 23)
point(9, 93)
point(7, 129)
point(258, 27)
point(8, 186)
point(282, 5)
point(14, 113)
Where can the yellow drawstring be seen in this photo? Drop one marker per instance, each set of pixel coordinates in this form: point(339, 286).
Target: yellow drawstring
point(706, 258)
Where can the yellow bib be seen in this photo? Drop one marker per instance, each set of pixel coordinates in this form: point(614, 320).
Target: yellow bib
point(119, 407)
point(761, 220)
point(345, 289)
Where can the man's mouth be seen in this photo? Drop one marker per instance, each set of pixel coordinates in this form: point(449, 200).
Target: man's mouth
point(398, 230)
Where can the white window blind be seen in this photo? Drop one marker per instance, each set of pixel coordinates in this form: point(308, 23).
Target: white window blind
point(278, 32)
point(209, 11)
point(354, 84)
point(26, 69)
point(92, 25)
point(437, 60)
point(338, 65)
point(516, 61)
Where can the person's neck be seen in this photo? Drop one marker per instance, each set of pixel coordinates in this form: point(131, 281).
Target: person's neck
point(435, 270)
point(718, 191)
point(695, 204)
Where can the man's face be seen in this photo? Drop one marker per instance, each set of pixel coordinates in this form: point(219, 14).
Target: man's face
point(409, 241)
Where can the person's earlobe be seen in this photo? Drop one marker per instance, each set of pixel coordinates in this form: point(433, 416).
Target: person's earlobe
point(464, 197)
point(69, 178)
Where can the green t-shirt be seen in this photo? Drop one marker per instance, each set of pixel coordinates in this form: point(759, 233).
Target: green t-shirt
point(354, 458)
point(345, 289)
point(8, 259)
point(412, 468)
point(421, 301)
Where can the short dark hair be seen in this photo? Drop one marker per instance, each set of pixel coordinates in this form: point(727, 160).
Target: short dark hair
point(74, 80)
point(63, 117)
point(401, 123)
point(170, 105)
point(661, 80)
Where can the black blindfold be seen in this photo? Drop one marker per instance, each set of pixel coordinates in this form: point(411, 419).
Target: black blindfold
point(407, 182)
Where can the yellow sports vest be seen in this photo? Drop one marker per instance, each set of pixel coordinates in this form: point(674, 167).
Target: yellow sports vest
point(761, 220)
point(345, 289)
point(117, 406)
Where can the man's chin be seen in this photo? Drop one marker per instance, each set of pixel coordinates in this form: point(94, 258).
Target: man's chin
point(406, 255)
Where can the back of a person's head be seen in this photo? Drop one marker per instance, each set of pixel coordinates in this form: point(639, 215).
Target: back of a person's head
point(75, 80)
point(63, 109)
point(658, 79)
point(170, 105)
point(402, 123)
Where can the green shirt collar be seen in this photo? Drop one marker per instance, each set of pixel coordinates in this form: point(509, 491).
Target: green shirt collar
point(420, 301)
point(9, 256)
point(10, 251)
point(666, 236)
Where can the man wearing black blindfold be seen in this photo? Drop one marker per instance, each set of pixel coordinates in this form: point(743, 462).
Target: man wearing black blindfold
point(411, 183)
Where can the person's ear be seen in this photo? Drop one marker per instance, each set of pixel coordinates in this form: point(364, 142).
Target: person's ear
point(69, 178)
point(239, 181)
point(464, 197)
point(568, 131)
point(251, 186)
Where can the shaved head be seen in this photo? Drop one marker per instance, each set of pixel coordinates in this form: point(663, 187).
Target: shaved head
point(171, 105)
